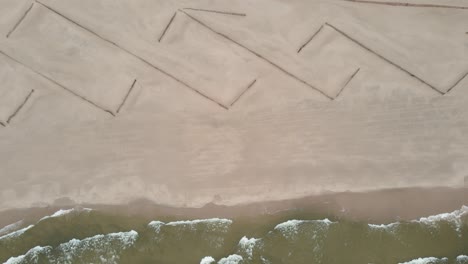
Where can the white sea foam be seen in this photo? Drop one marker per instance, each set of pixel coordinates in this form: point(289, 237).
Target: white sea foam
point(126, 239)
point(291, 228)
point(384, 226)
point(214, 221)
point(12, 227)
point(295, 223)
point(246, 246)
point(191, 224)
point(19, 232)
point(207, 260)
point(63, 212)
point(16, 233)
point(105, 248)
point(32, 256)
point(428, 260)
point(57, 214)
point(156, 225)
point(232, 259)
point(214, 229)
point(454, 217)
point(462, 259)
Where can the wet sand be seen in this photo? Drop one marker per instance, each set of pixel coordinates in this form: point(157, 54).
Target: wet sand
point(379, 207)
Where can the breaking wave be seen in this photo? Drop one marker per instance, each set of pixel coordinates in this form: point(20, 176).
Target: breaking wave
point(96, 249)
point(221, 241)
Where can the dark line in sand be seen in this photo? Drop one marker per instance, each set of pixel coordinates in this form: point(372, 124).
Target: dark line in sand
point(258, 55)
point(216, 11)
point(56, 83)
point(347, 82)
point(243, 92)
point(126, 96)
point(20, 106)
point(382, 57)
point(136, 56)
point(2, 124)
point(308, 41)
point(167, 26)
point(457, 82)
point(19, 21)
point(405, 4)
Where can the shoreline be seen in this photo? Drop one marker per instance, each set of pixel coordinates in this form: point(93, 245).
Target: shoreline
point(118, 114)
point(376, 207)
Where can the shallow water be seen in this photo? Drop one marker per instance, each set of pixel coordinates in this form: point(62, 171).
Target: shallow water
point(92, 236)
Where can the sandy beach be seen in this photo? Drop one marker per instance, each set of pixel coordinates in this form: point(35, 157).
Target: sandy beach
point(354, 109)
point(238, 158)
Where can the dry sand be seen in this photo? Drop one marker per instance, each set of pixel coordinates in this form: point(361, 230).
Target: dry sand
point(230, 102)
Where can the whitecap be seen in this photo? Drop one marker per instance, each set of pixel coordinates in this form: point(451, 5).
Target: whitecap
point(232, 259)
point(16, 233)
point(246, 246)
point(207, 260)
point(288, 224)
point(214, 221)
point(63, 212)
point(428, 260)
point(105, 248)
point(454, 217)
point(11, 227)
point(215, 224)
point(291, 228)
point(390, 226)
point(156, 225)
point(125, 238)
point(295, 223)
point(264, 260)
point(462, 259)
point(213, 235)
point(32, 256)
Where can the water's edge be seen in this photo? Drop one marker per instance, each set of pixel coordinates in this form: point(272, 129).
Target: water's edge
point(390, 226)
point(84, 235)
